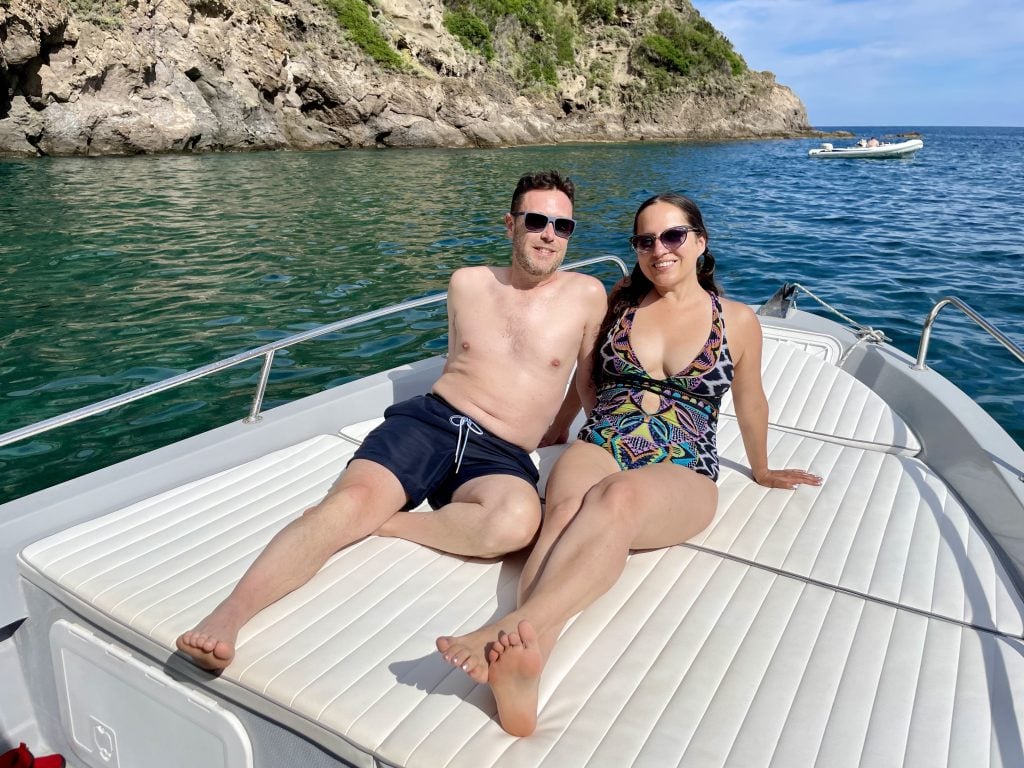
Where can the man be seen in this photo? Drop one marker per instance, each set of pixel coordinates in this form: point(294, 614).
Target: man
point(514, 334)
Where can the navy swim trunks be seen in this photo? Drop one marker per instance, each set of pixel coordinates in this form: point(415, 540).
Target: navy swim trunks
point(433, 450)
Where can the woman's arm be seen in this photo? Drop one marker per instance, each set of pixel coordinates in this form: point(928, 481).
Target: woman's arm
point(745, 342)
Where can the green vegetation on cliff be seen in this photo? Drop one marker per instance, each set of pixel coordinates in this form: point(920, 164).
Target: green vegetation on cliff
point(541, 33)
point(599, 11)
point(533, 39)
point(689, 47)
point(103, 13)
point(471, 31)
point(354, 17)
point(538, 42)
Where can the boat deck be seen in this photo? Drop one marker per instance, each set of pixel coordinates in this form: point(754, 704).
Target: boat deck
point(868, 622)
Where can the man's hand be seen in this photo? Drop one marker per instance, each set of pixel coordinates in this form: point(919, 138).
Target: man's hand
point(554, 436)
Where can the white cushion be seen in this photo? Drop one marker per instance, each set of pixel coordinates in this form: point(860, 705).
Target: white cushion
point(881, 525)
point(808, 394)
point(690, 659)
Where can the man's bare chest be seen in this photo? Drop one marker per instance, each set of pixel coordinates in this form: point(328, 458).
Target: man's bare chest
point(520, 335)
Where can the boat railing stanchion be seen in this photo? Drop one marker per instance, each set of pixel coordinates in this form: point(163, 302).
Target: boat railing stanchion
point(781, 302)
point(785, 298)
point(261, 389)
point(926, 330)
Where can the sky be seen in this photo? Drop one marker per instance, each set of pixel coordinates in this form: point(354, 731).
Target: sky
point(907, 63)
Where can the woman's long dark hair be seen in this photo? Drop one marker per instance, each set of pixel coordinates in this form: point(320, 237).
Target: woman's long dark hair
point(630, 291)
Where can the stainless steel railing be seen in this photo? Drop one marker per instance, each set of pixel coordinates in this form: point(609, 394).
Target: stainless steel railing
point(267, 352)
point(784, 299)
point(926, 330)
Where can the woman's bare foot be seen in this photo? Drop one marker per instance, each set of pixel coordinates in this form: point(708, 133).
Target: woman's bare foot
point(211, 645)
point(514, 677)
point(468, 652)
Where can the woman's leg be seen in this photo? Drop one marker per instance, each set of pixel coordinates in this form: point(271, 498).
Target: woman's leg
point(648, 508)
point(577, 470)
point(580, 468)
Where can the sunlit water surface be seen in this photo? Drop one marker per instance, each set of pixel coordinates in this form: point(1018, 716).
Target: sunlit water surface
point(118, 272)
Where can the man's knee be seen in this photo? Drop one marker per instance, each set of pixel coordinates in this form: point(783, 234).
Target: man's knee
point(343, 494)
point(343, 514)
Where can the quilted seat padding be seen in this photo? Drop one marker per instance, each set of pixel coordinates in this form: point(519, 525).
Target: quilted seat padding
point(883, 526)
point(808, 394)
point(691, 659)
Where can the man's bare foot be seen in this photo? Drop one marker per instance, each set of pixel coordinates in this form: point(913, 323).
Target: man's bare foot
point(514, 677)
point(211, 645)
point(468, 652)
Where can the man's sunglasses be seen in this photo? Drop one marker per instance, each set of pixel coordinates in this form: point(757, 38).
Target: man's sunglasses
point(537, 222)
point(671, 238)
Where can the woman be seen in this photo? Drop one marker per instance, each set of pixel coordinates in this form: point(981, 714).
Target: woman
point(642, 473)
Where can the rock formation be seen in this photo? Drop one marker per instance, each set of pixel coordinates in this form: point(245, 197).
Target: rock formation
point(97, 77)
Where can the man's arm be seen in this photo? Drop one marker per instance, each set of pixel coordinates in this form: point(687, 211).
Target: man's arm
point(558, 432)
point(597, 306)
point(456, 288)
point(581, 390)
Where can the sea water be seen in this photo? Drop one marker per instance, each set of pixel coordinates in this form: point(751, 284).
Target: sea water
point(119, 272)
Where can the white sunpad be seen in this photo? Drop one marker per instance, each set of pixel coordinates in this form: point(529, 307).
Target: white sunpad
point(808, 394)
point(881, 525)
point(700, 654)
point(690, 659)
point(902, 537)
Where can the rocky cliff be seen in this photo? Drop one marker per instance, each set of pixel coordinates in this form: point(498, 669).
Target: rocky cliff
point(94, 77)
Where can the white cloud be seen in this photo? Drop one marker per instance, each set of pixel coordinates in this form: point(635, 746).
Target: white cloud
point(875, 62)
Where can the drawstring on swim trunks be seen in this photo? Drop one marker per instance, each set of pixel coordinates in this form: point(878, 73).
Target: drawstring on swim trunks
point(465, 425)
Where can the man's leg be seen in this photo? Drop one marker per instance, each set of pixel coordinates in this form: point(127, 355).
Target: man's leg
point(489, 516)
point(363, 497)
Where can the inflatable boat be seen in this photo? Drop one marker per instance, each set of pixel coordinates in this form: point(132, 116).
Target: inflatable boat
point(900, 149)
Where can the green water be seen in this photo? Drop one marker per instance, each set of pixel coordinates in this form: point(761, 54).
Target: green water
point(119, 272)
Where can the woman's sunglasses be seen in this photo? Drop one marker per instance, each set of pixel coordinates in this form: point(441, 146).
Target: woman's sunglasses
point(671, 238)
point(536, 222)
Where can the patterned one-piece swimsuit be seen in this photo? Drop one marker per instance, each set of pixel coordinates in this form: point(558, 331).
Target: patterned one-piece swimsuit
point(682, 429)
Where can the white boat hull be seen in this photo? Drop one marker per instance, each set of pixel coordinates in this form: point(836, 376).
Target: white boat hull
point(902, 149)
point(797, 624)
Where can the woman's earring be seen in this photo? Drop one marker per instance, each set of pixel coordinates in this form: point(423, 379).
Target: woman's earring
point(701, 261)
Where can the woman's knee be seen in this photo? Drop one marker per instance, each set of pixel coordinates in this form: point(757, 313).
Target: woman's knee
point(558, 513)
point(613, 501)
point(613, 492)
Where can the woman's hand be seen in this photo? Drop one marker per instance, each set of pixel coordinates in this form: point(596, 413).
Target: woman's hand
point(785, 478)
